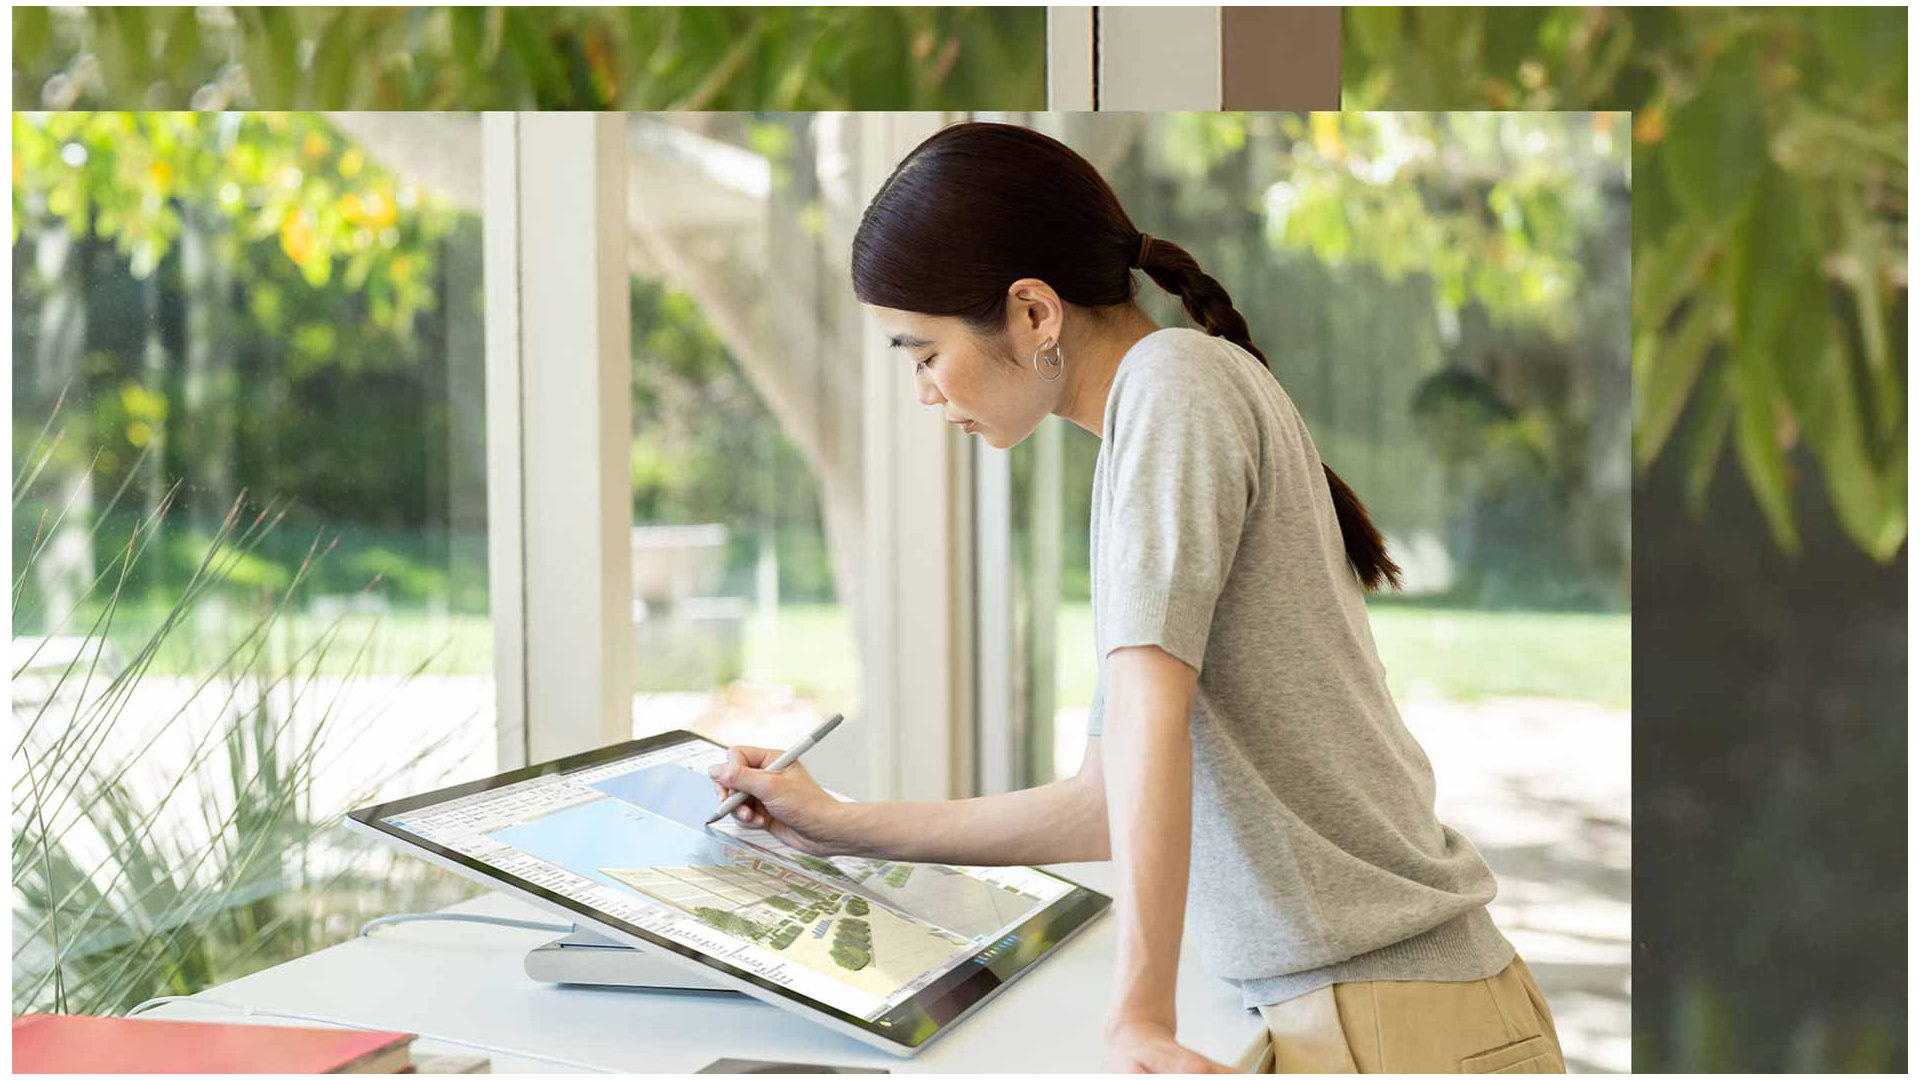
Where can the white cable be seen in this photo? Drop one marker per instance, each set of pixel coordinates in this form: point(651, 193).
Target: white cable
point(253, 1010)
point(490, 920)
point(152, 1002)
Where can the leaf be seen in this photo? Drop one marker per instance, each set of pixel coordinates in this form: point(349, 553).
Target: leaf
point(467, 28)
point(279, 46)
point(1715, 409)
point(1716, 144)
point(1666, 272)
point(1870, 511)
point(1665, 368)
point(1756, 437)
point(1893, 520)
point(1787, 347)
point(545, 74)
point(1862, 239)
point(1852, 484)
point(1758, 278)
point(335, 63)
point(1769, 264)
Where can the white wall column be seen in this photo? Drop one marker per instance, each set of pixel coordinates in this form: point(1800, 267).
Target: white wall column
point(559, 428)
point(915, 731)
point(1070, 41)
point(506, 497)
point(1158, 59)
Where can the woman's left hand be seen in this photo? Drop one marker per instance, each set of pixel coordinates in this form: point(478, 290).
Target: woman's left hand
point(1141, 1046)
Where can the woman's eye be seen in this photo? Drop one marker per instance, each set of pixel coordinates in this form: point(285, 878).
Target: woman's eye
point(924, 364)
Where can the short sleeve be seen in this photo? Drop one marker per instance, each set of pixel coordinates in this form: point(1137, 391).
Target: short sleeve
point(1180, 476)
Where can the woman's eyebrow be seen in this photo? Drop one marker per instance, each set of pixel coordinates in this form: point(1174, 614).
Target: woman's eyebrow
point(907, 341)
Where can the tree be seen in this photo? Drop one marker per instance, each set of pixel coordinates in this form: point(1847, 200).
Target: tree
point(1769, 225)
point(200, 290)
point(1491, 208)
point(144, 180)
point(453, 58)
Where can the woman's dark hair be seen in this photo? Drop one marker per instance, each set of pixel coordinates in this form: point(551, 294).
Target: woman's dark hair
point(978, 206)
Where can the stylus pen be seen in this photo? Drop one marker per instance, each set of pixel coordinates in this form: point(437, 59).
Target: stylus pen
point(792, 755)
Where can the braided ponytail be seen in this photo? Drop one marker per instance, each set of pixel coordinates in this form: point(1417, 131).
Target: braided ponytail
point(1206, 303)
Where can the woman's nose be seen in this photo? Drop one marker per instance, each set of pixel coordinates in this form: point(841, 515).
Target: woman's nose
point(928, 392)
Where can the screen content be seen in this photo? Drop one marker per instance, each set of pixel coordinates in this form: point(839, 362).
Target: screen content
point(627, 838)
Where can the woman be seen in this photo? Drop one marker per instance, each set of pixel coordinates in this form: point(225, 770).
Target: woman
point(1242, 726)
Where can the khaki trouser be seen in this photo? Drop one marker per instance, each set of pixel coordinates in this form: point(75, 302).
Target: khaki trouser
point(1499, 1024)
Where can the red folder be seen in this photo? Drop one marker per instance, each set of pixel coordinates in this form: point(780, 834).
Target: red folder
point(108, 1044)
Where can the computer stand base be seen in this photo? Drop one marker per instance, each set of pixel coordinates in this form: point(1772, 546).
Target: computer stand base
point(584, 958)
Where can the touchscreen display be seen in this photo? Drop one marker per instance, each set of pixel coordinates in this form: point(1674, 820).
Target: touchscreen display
point(626, 838)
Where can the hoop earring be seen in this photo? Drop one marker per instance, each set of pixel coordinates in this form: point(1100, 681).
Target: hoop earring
point(1057, 363)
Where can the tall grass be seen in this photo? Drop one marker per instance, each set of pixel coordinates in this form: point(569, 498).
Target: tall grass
point(137, 873)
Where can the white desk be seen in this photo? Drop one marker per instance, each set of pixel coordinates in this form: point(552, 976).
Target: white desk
point(466, 981)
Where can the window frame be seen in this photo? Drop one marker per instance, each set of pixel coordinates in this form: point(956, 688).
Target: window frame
point(559, 427)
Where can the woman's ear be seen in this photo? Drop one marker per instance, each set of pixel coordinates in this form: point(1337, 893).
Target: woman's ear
point(1035, 313)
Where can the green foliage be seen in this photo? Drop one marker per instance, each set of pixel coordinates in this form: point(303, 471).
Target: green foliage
point(137, 178)
point(697, 420)
point(857, 906)
point(694, 415)
point(1769, 227)
point(1491, 209)
point(247, 302)
point(442, 58)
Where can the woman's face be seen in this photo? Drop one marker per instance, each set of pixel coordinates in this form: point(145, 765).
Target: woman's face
point(976, 381)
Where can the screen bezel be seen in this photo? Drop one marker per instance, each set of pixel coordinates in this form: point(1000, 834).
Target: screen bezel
point(910, 1025)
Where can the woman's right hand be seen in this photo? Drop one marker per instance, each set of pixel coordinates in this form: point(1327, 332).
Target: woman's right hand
point(789, 803)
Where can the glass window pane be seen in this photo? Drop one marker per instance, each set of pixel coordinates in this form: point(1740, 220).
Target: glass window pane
point(249, 527)
point(747, 468)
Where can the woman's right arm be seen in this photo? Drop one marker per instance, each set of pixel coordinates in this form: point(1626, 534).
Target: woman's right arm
point(1064, 821)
